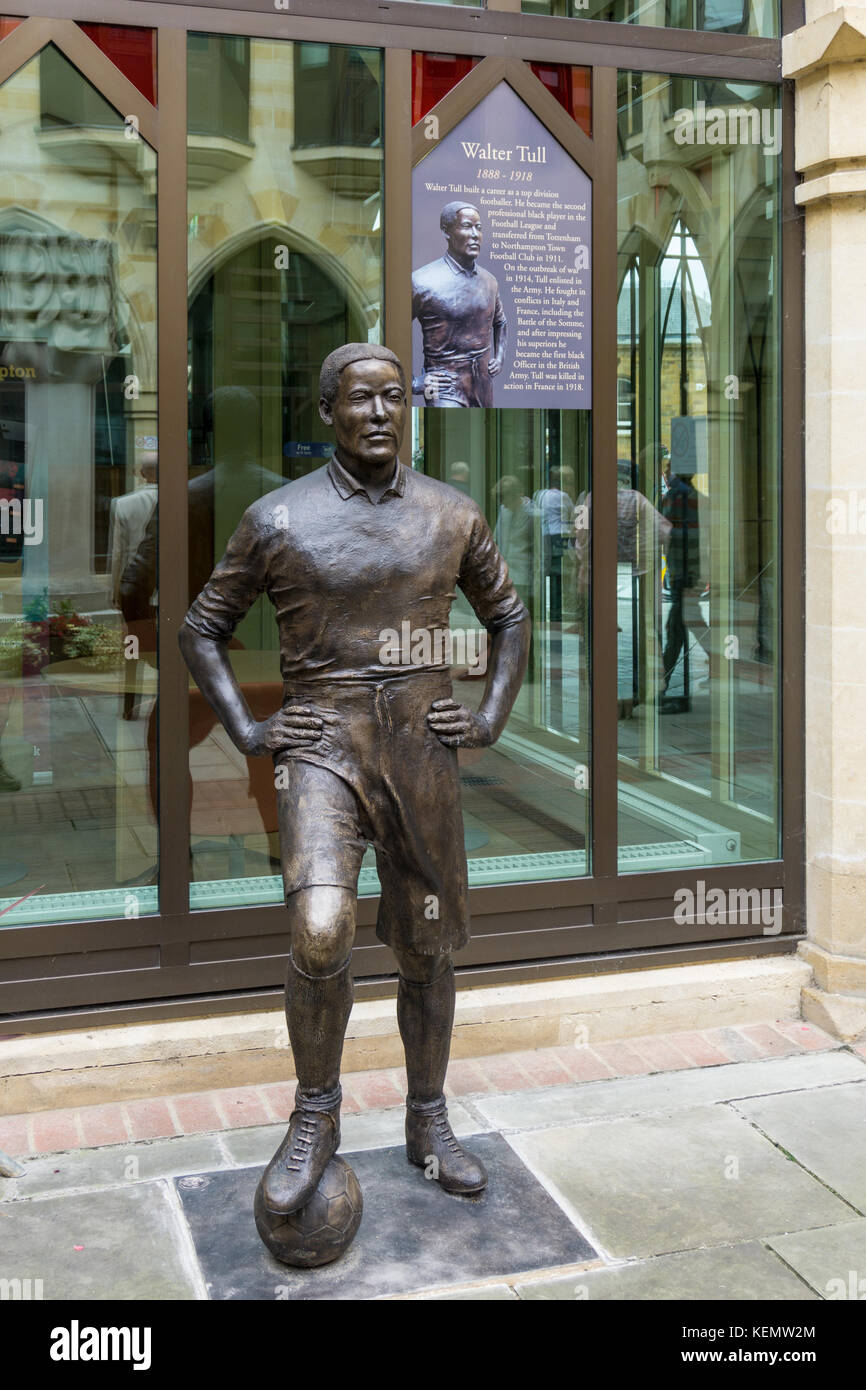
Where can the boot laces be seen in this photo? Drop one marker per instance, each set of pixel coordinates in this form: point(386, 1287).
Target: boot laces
point(303, 1138)
point(445, 1132)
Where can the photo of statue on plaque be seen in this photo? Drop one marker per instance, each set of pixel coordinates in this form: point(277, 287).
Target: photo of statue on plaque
point(463, 324)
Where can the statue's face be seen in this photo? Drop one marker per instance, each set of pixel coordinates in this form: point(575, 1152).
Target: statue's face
point(368, 411)
point(464, 236)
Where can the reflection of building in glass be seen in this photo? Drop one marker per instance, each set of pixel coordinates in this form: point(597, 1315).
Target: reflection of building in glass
point(284, 266)
point(77, 408)
point(698, 437)
point(712, 16)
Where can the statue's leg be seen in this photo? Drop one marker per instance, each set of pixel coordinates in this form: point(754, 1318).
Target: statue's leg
point(319, 996)
point(425, 1016)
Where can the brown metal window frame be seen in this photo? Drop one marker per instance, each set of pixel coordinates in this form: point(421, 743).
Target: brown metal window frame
point(231, 959)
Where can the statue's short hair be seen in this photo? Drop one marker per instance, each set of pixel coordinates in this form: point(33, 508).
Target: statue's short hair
point(329, 377)
point(451, 211)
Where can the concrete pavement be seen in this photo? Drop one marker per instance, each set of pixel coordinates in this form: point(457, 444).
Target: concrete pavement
point(736, 1180)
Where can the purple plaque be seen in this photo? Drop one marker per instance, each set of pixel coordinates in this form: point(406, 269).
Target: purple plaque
point(502, 293)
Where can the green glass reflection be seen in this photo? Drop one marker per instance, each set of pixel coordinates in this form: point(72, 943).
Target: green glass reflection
point(285, 264)
point(698, 471)
point(78, 450)
point(526, 800)
point(755, 17)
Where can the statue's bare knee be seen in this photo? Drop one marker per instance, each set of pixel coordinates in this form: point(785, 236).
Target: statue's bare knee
point(421, 969)
point(322, 925)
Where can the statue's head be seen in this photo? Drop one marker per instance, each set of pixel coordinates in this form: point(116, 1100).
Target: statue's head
point(362, 395)
point(461, 225)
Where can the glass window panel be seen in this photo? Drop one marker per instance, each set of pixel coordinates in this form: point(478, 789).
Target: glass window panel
point(285, 264)
point(526, 800)
point(698, 471)
point(218, 87)
point(572, 88)
point(433, 77)
point(78, 412)
point(435, 74)
point(131, 49)
point(337, 96)
point(757, 17)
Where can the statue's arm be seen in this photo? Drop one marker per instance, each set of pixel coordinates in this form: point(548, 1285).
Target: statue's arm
point(485, 582)
point(292, 726)
point(211, 668)
point(234, 586)
point(500, 342)
point(509, 654)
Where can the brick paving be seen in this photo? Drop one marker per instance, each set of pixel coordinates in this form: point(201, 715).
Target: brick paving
point(624, 1059)
point(807, 1037)
point(240, 1107)
point(150, 1119)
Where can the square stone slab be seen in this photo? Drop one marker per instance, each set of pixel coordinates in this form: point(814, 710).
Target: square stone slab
point(666, 1091)
point(658, 1184)
point(133, 1245)
point(413, 1236)
point(491, 1293)
point(824, 1129)
point(730, 1272)
point(114, 1166)
point(832, 1260)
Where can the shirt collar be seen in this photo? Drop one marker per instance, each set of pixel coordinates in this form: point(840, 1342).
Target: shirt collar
point(347, 486)
point(456, 266)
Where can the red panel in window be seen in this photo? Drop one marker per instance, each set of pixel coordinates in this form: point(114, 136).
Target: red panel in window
point(572, 88)
point(131, 50)
point(433, 76)
point(7, 25)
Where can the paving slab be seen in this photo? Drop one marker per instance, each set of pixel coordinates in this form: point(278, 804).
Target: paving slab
point(491, 1293)
point(413, 1236)
point(87, 1169)
point(832, 1260)
point(375, 1129)
point(659, 1184)
point(248, 1147)
point(120, 1243)
point(825, 1130)
point(743, 1273)
point(590, 1100)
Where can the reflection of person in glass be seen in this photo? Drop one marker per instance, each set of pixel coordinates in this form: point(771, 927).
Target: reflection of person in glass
point(11, 490)
point(232, 422)
point(129, 517)
point(554, 506)
point(513, 530)
point(680, 508)
point(464, 329)
point(459, 475)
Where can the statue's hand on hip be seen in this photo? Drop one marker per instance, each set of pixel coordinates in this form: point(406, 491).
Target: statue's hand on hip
point(293, 726)
point(458, 727)
point(433, 384)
